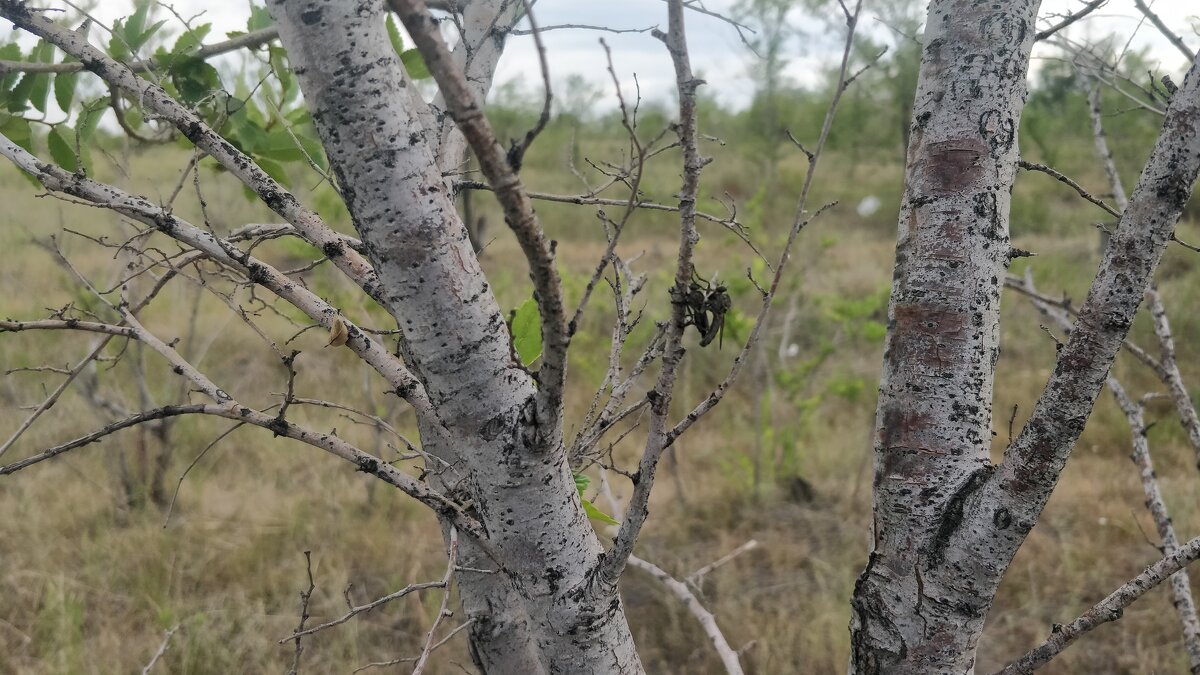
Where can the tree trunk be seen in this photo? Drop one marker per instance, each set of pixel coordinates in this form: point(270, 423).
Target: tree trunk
point(933, 427)
point(947, 521)
point(493, 448)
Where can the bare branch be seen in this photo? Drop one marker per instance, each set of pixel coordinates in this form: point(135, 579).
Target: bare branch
point(1181, 591)
point(730, 224)
point(162, 649)
point(383, 664)
point(79, 367)
point(196, 460)
point(696, 579)
point(465, 109)
point(305, 597)
point(67, 324)
point(1167, 32)
point(1102, 150)
point(355, 611)
point(1070, 19)
point(1025, 287)
point(1170, 372)
point(1032, 464)
point(372, 352)
point(660, 396)
point(1108, 609)
point(517, 152)
point(444, 610)
point(1032, 166)
point(708, 623)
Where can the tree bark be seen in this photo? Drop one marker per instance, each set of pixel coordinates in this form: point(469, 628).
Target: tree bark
point(494, 448)
point(933, 426)
point(948, 522)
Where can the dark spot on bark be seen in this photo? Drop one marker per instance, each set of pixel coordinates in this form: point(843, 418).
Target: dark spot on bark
point(333, 249)
point(368, 464)
point(257, 273)
point(311, 17)
point(953, 515)
point(1002, 519)
point(278, 426)
point(552, 577)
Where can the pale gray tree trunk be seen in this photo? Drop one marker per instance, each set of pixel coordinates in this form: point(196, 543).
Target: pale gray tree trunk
point(933, 427)
point(947, 521)
point(542, 610)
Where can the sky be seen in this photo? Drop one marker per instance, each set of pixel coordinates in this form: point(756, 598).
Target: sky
point(717, 52)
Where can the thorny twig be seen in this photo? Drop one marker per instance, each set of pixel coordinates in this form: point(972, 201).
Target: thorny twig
point(660, 437)
point(305, 597)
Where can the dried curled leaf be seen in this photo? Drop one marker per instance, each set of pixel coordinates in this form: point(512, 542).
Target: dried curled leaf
point(337, 332)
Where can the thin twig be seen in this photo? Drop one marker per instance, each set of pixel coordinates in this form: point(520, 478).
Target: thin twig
point(1108, 609)
point(1170, 374)
point(708, 623)
point(162, 649)
point(409, 659)
point(355, 611)
point(443, 611)
point(1033, 166)
point(305, 596)
point(1070, 19)
point(1167, 32)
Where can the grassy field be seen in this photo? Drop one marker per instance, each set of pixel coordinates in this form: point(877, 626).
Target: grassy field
point(88, 585)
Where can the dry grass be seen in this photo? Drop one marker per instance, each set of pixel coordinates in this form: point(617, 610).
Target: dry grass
point(87, 587)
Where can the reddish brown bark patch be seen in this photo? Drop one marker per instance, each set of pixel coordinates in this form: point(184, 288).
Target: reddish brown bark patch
point(954, 165)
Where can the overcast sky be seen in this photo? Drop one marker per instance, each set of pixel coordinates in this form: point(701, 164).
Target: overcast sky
point(717, 52)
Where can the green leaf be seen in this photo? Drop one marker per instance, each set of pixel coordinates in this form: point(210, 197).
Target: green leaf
point(596, 514)
point(278, 145)
point(116, 43)
point(136, 22)
point(243, 132)
point(18, 98)
point(136, 42)
point(259, 18)
point(581, 484)
point(394, 36)
point(414, 65)
point(316, 152)
point(194, 79)
point(191, 40)
point(17, 130)
point(527, 332)
point(89, 117)
point(9, 52)
point(299, 117)
point(40, 92)
point(287, 81)
point(61, 140)
point(274, 170)
point(64, 89)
